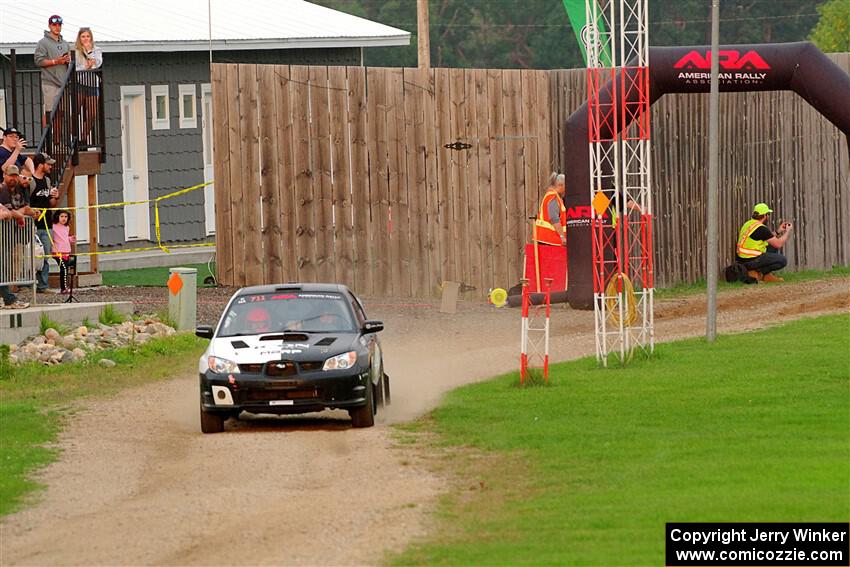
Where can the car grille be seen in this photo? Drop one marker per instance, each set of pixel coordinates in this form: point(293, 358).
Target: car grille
point(281, 367)
point(266, 395)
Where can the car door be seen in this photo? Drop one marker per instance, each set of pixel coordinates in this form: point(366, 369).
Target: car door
point(372, 342)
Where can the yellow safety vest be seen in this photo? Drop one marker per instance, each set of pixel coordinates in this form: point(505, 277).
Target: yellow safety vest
point(747, 247)
point(544, 231)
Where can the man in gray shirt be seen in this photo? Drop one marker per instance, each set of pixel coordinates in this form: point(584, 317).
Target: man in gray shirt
point(53, 55)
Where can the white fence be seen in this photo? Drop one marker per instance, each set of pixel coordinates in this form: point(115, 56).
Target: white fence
point(18, 253)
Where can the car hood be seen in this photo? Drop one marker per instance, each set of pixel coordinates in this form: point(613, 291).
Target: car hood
point(288, 346)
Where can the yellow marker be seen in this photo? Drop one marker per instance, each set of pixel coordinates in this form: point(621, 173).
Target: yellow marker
point(498, 297)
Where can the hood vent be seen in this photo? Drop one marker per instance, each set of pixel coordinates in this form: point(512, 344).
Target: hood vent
point(286, 337)
point(326, 341)
point(239, 344)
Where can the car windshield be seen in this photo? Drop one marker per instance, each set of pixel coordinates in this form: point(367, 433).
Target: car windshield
point(254, 314)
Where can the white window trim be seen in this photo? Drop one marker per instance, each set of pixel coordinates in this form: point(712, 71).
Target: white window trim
point(156, 123)
point(188, 90)
point(3, 108)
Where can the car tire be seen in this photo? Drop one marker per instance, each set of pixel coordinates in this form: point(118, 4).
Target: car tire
point(364, 416)
point(211, 422)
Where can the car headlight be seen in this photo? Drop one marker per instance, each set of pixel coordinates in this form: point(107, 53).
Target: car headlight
point(341, 361)
point(222, 365)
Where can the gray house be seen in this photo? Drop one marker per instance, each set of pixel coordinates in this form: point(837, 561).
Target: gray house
point(158, 101)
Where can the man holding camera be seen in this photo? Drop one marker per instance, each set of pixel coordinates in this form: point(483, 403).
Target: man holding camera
point(758, 246)
point(10, 150)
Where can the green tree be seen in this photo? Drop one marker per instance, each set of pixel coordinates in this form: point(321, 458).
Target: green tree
point(536, 34)
point(832, 32)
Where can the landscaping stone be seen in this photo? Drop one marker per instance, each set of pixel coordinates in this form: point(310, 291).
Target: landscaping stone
point(53, 348)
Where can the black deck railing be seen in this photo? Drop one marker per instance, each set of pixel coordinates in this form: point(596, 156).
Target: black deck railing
point(76, 118)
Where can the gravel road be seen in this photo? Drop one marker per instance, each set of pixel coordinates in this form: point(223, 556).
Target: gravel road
point(138, 484)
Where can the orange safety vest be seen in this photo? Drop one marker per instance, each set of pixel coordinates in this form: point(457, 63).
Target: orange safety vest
point(544, 232)
point(747, 247)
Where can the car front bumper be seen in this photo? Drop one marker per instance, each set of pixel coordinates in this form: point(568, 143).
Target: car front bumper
point(257, 393)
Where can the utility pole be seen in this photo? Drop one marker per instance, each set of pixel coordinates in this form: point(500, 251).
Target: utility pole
point(423, 33)
point(711, 240)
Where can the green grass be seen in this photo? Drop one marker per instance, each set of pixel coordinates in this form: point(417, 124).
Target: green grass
point(35, 399)
point(109, 316)
point(151, 277)
point(700, 286)
point(586, 471)
point(45, 322)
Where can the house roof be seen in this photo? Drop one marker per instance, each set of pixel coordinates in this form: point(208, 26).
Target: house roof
point(184, 25)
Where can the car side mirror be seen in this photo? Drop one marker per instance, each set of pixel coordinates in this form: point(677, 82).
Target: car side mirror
point(373, 326)
point(204, 331)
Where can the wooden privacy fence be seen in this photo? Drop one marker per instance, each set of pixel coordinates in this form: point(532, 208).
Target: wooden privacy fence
point(394, 180)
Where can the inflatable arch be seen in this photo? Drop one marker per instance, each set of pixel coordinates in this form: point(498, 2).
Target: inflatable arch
point(800, 67)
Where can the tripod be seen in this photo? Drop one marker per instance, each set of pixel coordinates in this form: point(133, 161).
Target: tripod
point(70, 275)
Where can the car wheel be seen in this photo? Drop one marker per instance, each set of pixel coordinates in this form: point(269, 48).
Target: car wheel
point(211, 422)
point(364, 416)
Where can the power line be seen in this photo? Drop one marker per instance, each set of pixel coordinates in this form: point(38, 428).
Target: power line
point(657, 22)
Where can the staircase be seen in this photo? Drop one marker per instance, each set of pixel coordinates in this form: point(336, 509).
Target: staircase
point(74, 135)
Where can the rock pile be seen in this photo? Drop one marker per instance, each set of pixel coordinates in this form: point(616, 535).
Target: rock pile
point(54, 348)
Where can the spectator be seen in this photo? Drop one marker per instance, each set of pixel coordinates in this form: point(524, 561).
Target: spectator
point(87, 57)
point(7, 298)
point(10, 150)
point(62, 240)
point(43, 196)
point(13, 198)
point(53, 56)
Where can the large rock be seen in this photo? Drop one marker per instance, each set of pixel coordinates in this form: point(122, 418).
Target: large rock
point(79, 354)
point(51, 334)
point(82, 330)
point(106, 363)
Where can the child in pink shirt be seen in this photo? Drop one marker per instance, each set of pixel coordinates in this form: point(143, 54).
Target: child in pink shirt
point(62, 240)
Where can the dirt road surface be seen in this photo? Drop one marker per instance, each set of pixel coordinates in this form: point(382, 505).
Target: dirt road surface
point(138, 484)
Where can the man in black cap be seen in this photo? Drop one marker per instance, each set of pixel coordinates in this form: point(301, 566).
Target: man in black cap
point(44, 196)
point(10, 150)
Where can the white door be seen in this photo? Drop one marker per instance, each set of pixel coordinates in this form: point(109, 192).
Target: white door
point(207, 133)
point(81, 199)
point(134, 159)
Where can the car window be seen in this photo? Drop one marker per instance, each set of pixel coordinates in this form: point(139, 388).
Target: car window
point(253, 314)
point(358, 310)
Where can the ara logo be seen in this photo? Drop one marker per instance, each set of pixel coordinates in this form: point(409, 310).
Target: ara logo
point(729, 59)
point(580, 215)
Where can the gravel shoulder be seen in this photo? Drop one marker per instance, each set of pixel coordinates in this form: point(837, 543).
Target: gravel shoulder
point(138, 484)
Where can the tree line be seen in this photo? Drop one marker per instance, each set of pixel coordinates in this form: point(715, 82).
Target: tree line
point(536, 34)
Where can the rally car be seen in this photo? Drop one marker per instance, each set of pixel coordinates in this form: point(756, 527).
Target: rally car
point(292, 348)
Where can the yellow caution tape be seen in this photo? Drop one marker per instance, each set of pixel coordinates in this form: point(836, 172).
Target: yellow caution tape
point(127, 250)
point(159, 244)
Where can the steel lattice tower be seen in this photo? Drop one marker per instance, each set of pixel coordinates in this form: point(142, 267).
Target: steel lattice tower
point(618, 127)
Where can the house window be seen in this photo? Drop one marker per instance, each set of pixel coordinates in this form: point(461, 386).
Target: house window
point(160, 119)
point(188, 106)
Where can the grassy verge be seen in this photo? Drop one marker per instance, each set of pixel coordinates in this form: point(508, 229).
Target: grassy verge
point(151, 277)
point(35, 397)
point(588, 470)
point(790, 277)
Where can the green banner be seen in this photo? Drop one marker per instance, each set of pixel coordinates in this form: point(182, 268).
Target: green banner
point(578, 20)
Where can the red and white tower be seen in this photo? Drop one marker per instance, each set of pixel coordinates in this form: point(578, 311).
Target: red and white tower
point(618, 121)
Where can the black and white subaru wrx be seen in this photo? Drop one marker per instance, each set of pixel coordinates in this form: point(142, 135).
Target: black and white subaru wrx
point(292, 348)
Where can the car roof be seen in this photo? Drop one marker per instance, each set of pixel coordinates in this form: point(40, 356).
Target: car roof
point(293, 286)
